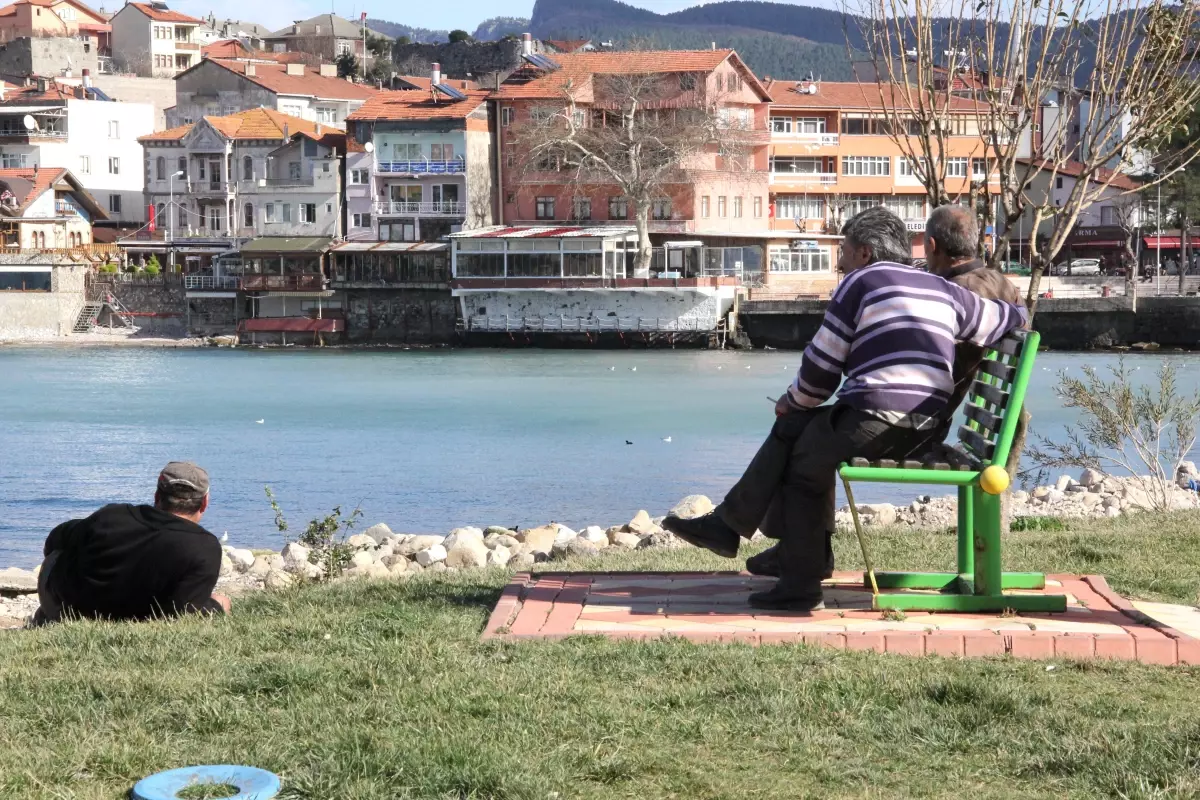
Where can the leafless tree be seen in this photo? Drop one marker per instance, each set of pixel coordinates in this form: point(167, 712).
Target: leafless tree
point(642, 133)
point(1116, 74)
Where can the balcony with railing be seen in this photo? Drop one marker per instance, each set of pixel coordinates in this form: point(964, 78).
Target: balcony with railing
point(820, 139)
point(423, 166)
point(211, 282)
point(804, 178)
point(305, 282)
point(445, 209)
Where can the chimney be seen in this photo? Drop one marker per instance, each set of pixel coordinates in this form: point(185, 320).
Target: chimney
point(87, 78)
point(526, 44)
point(295, 69)
point(435, 75)
point(43, 85)
point(251, 71)
point(328, 70)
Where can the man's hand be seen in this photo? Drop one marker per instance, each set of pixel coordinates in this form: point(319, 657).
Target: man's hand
point(783, 405)
point(224, 602)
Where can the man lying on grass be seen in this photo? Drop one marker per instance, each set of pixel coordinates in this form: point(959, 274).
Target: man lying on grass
point(891, 330)
point(136, 562)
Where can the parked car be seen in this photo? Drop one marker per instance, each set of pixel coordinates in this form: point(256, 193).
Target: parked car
point(1014, 268)
point(1078, 266)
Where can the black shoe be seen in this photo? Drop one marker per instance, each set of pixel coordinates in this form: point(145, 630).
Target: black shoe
point(779, 598)
point(708, 531)
point(766, 563)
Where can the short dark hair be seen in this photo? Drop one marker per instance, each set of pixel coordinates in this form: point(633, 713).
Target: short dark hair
point(883, 232)
point(955, 230)
point(177, 505)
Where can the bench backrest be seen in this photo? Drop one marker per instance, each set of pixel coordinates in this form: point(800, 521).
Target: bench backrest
point(994, 402)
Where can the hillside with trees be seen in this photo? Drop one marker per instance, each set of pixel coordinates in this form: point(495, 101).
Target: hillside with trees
point(487, 31)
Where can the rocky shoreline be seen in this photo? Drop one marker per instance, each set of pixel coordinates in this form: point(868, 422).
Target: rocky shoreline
point(379, 553)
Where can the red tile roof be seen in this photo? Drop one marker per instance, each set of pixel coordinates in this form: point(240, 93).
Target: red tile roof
point(1075, 169)
point(312, 83)
point(28, 185)
point(849, 95)
point(418, 82)
point(578, 69)
point(164, 16)
point(415, 105)
point(257, 123)
point(567, 46)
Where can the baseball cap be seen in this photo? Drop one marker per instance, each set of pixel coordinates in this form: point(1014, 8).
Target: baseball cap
point(183, 479)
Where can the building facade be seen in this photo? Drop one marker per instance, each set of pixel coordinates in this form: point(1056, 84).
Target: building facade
point(153, 41)
point(430, 168)
point(45, 19)
point(45, 209)
point(80, 129)
point(220, 87)
point(325, 35)
point(256, 173)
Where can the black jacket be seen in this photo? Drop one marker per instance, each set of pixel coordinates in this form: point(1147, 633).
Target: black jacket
point(133, 562)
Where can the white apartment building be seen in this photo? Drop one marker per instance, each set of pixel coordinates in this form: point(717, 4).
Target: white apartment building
point(51, 125)
point(253, 174)
point(154, 41)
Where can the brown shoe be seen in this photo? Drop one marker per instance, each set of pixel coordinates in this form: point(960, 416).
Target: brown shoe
point(708, 531)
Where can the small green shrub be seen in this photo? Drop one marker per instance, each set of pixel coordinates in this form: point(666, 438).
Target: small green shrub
point(325, 538)
point(108, 269)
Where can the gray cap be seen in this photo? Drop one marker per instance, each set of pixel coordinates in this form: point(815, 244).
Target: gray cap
point(184, 480)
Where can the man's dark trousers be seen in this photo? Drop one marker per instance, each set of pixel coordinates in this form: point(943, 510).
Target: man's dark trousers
point(789, 491)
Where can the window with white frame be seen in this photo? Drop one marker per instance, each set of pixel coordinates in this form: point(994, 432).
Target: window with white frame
point(269, 213)
point(360, 220)
point(661, 209)
point(979, 168)
point(114, 203)
point(799, 206)
point(506, 116)
point(704, 207)
point(1108, 215)
point(904, 167)
point(758, 206)
point(114, 165)
point(248, 215)
point(618, 208)
point(798, 165)
point(721, 210)
point(737, 206)
point(862, 202)
point(359, 177)
point(906, 206)
point(308, 212)
point(956, 167)
point(326, 114)
point(581, 208)
point(781, 124)
point(816, 259)
point(14, 160)
point(866, 165)
point(286, 210)
point(114, 129)
point(810, 125)
point(544, 208)
point(85, 165)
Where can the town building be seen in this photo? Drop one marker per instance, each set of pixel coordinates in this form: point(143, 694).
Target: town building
point(219, 87)
point(214, 30)
point(251, 174)
point(430, 167)
point(55, 19)
point(45, 209)
point(152, 40)
point(325, 35)
point(831, 156)
point(51, 125)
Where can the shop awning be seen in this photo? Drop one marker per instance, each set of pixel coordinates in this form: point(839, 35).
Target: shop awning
point(1163, 242)
point(1096, 243)
point(288, 244)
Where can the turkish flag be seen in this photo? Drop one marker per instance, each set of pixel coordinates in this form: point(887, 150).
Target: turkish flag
point(770, 210)
point(153, 218)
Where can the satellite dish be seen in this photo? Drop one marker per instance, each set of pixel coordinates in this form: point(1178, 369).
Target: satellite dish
point(369, 147)
point(29, 122)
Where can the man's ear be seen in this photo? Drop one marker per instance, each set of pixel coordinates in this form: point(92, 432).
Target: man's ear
point(204, 504)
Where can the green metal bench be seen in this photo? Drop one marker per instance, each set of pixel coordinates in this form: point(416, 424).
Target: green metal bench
point(976, 465)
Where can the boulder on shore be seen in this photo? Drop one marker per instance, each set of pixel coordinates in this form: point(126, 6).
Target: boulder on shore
point(641, 524)
point(540, 539)
point(692, 506)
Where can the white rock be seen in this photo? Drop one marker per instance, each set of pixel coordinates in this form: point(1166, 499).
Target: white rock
point(276, 561)
point(499, 556)
point(467, 552)
point(460, 534)
point(1020, 497)
point(1113, 511)
point(1054, 496)
point(241, 558)
point(564, 535)
point(379, 532)
point(508, 541)
point(394, 559)
point(361, 541)
point(1091, 477)
point(277, 579)
point(878, 514)
point(18, 580)
point(400, 568)
point(574, 547)
point(295, 557)
point(629, 541)
point(1091, 500)
point(313, 572)
point(260, 568)
point(1063, 482)
point(226, 566)
point(416, 544)
point(431, 555)
point(362, 559)
point(437, 566)
point(692, 506)
point(594, 534)
point(641, 524)
point(1040, 492)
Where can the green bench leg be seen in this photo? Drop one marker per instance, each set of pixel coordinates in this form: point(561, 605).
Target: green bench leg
point(950, 582)
point(966, 532)
point(968, 603)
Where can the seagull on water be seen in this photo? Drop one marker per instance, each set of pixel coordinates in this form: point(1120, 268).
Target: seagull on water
point(628, 442)
point(225, 536)
point(612, 369)
point(259, 421)
point(667, 439)
point(633, 369)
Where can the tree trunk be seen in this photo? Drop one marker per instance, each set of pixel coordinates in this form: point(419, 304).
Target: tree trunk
point(645, 252)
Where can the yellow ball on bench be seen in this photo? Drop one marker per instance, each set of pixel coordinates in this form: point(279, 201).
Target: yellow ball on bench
point(993, 480)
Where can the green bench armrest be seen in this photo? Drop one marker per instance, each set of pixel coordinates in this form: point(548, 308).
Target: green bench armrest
point(932, 477)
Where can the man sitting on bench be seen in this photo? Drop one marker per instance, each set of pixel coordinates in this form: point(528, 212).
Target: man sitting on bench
point(891, 330)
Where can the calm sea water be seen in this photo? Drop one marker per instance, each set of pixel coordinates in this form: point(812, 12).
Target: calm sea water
point(424, 441)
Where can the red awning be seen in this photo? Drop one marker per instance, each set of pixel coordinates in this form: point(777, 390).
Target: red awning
point(1164, 242)
point(292, 325)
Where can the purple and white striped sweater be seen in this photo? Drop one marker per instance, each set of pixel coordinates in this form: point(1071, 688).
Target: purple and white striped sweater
point(891, 330)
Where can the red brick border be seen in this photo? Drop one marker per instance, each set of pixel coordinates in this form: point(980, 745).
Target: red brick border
point(548, 606)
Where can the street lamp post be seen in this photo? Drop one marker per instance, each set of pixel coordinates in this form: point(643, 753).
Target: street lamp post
point(171, 217)
point(1158, 244)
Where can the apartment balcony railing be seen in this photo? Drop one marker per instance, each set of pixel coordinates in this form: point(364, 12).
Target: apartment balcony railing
point(278, 283)
point(392, 208)
point(820, 178)
point(21, 132)
point(423, 167)
point(211, 282)
point(823, 139)
point(180, 45)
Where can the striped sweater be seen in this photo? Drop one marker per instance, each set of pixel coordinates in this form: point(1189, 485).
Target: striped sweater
point(891, 330)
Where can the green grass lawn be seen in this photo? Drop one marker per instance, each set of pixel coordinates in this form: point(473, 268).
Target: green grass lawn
point(384, 691)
